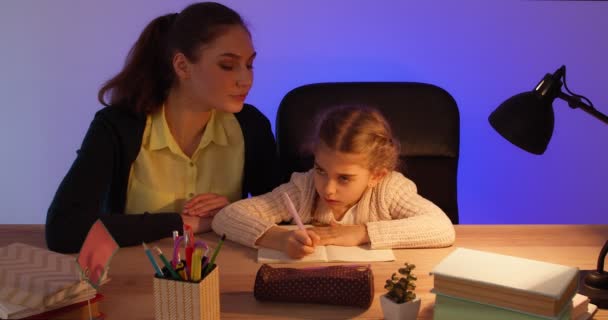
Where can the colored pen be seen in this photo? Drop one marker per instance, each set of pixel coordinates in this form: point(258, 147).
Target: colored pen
point(215, 252)
point(188, 235)
point(195, 270)
point(293, 211)
point(152, 261)
point(176, 255)
point(167, 264)
point(204, 261)
point(179, 268)
point(176, 259)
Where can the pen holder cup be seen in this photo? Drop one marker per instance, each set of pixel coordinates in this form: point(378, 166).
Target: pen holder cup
point(175, 299)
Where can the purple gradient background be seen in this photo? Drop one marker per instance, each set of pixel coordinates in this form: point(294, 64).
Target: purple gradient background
point(56, 54)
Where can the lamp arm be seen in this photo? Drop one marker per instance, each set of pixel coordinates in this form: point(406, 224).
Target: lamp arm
point(575, 102)
point(601, 258)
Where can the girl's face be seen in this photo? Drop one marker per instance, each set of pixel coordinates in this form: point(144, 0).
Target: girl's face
point(341, 178)
point(223, 74)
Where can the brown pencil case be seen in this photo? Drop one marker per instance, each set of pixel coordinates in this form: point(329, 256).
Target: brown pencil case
point(348, 285)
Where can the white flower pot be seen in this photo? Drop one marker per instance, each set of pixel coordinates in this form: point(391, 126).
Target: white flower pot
point(399, 311)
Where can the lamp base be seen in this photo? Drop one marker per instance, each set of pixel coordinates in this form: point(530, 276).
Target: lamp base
point(598, 297)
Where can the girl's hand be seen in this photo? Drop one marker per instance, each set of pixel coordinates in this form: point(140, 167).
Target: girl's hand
point(342, 235)
point(205, 205)
point(299, 243)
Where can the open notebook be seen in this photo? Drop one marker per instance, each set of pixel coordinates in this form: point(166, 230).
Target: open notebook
point(328, 254)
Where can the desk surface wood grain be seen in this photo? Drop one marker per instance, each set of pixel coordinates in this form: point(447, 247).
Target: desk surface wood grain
point(129, 293)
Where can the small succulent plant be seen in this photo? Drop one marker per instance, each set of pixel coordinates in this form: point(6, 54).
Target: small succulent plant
point(401, 289)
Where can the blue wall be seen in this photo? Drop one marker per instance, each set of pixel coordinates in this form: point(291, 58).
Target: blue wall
point(56, 54)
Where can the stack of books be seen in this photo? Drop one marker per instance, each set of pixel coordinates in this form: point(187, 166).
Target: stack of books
point(472, 284)
point(36, 283)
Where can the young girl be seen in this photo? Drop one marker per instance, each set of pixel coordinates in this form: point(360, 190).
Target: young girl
point(352, 190)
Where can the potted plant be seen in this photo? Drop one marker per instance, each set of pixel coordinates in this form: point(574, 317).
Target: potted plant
point(400, 302)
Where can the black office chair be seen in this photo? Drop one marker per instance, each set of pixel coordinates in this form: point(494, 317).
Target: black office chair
point(423, 117)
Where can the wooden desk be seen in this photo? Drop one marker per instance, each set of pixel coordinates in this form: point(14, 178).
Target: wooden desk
point(129, 294)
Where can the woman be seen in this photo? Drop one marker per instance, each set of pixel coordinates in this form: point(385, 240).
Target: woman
point(175, 142)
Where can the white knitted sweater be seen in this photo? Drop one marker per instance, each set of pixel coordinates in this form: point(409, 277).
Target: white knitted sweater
point(395, 214)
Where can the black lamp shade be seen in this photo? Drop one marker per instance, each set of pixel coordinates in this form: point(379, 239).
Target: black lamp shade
point(526, 120)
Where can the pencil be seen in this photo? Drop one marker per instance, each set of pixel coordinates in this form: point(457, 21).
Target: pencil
point(292, 210)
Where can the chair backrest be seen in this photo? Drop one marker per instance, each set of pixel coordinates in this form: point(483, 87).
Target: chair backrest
point(423, 117)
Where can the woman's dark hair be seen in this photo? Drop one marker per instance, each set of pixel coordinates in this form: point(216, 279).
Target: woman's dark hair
point(145, 80)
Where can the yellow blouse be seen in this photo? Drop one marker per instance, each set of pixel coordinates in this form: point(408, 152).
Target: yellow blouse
point(163, 178)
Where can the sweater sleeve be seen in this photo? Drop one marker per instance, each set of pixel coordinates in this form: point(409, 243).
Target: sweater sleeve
point(79, 200)
point(414, 221)
point(245, 221)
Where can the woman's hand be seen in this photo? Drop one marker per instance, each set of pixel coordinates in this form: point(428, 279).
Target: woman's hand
point(299, 243)
point(198, 224)
point(205, 205)
point(342, 235)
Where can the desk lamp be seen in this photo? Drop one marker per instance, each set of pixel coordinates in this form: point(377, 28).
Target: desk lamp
point(526, 120)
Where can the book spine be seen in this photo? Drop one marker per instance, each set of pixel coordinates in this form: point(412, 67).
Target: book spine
point(457, 308)
point(527, 301)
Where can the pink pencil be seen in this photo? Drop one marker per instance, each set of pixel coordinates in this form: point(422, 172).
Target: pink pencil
point(292, 210)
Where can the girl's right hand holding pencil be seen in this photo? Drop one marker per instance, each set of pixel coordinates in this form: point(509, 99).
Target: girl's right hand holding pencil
point(300, 243)
point(295, 243)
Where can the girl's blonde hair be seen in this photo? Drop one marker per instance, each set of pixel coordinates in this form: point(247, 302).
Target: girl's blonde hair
point(359, 130)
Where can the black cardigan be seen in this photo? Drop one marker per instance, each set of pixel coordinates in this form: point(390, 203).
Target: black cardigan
point(96, 184)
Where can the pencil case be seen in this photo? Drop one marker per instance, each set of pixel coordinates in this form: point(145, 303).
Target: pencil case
point(347, 285)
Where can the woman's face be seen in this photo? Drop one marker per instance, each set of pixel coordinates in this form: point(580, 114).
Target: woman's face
point(223, 74)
